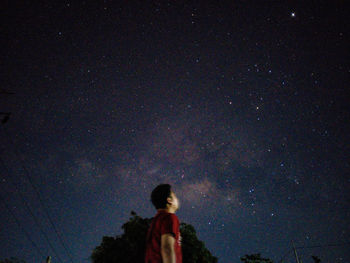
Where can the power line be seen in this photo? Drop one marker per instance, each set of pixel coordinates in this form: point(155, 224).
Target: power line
point(38, 195)
point(315, 246)
point(328, 245)
point(19, 224)
point(4, 92)
point(26, 139)
point(32, 214)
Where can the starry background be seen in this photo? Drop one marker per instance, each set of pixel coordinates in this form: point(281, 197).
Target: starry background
point(240, 105)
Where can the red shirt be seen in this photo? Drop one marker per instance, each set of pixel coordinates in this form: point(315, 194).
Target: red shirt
point(162, 223)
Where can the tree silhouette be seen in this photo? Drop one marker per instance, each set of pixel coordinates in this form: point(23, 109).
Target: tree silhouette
point(316, 259)
point(130, 246)
point(255, 258)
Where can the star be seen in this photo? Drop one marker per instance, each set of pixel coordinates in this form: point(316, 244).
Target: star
point(292, 14)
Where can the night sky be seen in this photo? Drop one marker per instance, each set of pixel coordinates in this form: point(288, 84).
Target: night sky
point(242, 106)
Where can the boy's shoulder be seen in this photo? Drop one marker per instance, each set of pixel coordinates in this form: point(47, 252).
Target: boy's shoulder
point(167, 216)
point(171, 217)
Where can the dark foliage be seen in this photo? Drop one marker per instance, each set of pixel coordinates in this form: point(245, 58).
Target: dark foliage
point(255, 258)
point(130, 246)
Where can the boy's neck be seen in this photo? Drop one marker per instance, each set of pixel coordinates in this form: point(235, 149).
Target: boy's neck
point(167, 210)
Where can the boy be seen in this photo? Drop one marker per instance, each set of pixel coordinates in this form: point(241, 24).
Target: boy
point(163, 243)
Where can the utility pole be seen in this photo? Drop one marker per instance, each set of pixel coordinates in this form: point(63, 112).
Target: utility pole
point(295, 253)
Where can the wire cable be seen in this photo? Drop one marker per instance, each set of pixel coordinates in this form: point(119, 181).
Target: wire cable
point(328, 245)
point(27, 140)
point(32, 214)
point(20, 226)
point(38, 195)
point(315, 246)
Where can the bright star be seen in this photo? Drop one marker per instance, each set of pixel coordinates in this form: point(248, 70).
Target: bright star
point(292, 14)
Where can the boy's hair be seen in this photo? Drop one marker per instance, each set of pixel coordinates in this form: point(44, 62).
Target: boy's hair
point(160, 194)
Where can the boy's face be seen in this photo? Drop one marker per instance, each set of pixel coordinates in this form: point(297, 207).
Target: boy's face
point(174, 201)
